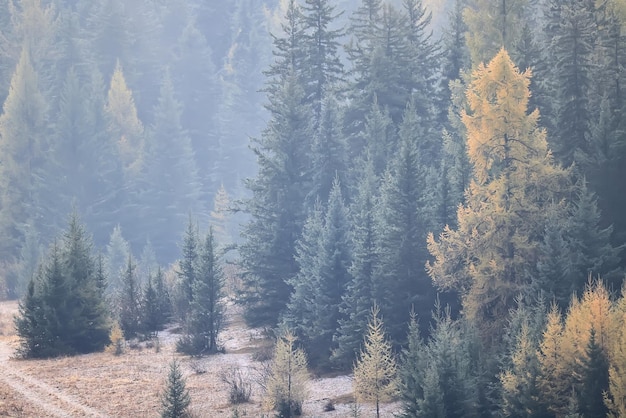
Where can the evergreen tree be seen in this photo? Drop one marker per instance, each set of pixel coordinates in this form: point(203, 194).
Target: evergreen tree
point(88, 328)
point(163, 296)
point(411, 371)
point(300, 310)
point(175, 400)
point(151, 318)
point(594, 371)
point(438, 378)
point(206, 311)
point(493, 25)
point(128, 300)
point(31, 324)
point(276, 205)
point(404, 216)
point(361, 290)
point(195, 81)
point(570, 27)
point(329, 153)
point(330, 278)
point(187, 269)
point(64, 311)
point(322, 65)
point(116, 259)
point(171, 181)
point(375, 371)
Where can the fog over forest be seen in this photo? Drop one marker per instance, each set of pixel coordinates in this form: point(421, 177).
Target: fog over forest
point(457, 167)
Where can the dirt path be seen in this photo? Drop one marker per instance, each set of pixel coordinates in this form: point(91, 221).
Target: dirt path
point(53, 400)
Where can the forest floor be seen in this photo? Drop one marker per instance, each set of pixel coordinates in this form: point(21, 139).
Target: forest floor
point(129, 385)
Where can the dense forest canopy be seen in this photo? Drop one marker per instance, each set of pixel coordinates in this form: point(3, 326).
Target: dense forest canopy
point(459, 164)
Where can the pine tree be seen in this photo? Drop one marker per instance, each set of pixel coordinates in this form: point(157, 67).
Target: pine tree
point(447, 381)
point(195, 80)
point(276, 205)
point(322, 63)
point(331, 278)
point(129, 312)
point(151, 318)
point(64, 311)
point(31, 324)
point(404, 216)
point(361, 290)
point(411, 371)
point(206, 310)
point(170, 176)
point(330, 152)
point(116, 259)
point(493, 25)
point(572, 42)
point(88, 329)
point(375, 371)
point(285, 385)
point(187, 269)
point(594, 372)
point(175, 400)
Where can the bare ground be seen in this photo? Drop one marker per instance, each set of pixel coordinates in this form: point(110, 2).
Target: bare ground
point(103, 385)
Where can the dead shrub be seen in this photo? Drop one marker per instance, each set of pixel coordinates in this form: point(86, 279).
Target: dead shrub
point(239, 386)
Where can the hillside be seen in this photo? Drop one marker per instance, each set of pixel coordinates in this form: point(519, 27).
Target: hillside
point(102, 385)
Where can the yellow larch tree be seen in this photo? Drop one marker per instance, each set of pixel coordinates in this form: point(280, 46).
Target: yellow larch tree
point(491, 256)
point(552, 381)
point(615, 399)
point(287, 378)
point(375, 371)
point(124, 124)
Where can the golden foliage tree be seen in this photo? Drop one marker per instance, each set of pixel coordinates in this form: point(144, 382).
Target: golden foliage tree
point(286, 381)
point(553, 382)
point(375, 371)
point(615, 399)
point(124, 124)
point(515, 181)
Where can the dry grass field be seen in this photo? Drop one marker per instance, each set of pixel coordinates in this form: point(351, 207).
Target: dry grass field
point(129, 385)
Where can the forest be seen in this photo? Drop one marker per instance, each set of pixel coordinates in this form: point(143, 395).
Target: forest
point(446, 179)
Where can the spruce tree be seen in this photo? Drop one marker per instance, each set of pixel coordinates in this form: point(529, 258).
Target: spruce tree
point(276, 205)
point(411, 371)
point(128, 302)
point(31, 323)
point(175, 399)
point(404, 216)
point(64, 311)
point(362, 290)
point(206, 310)
point(594, 377)
point(88, 329)
point(570, 27)
point(116, 259)
point(187, 269)
point(170, 175)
